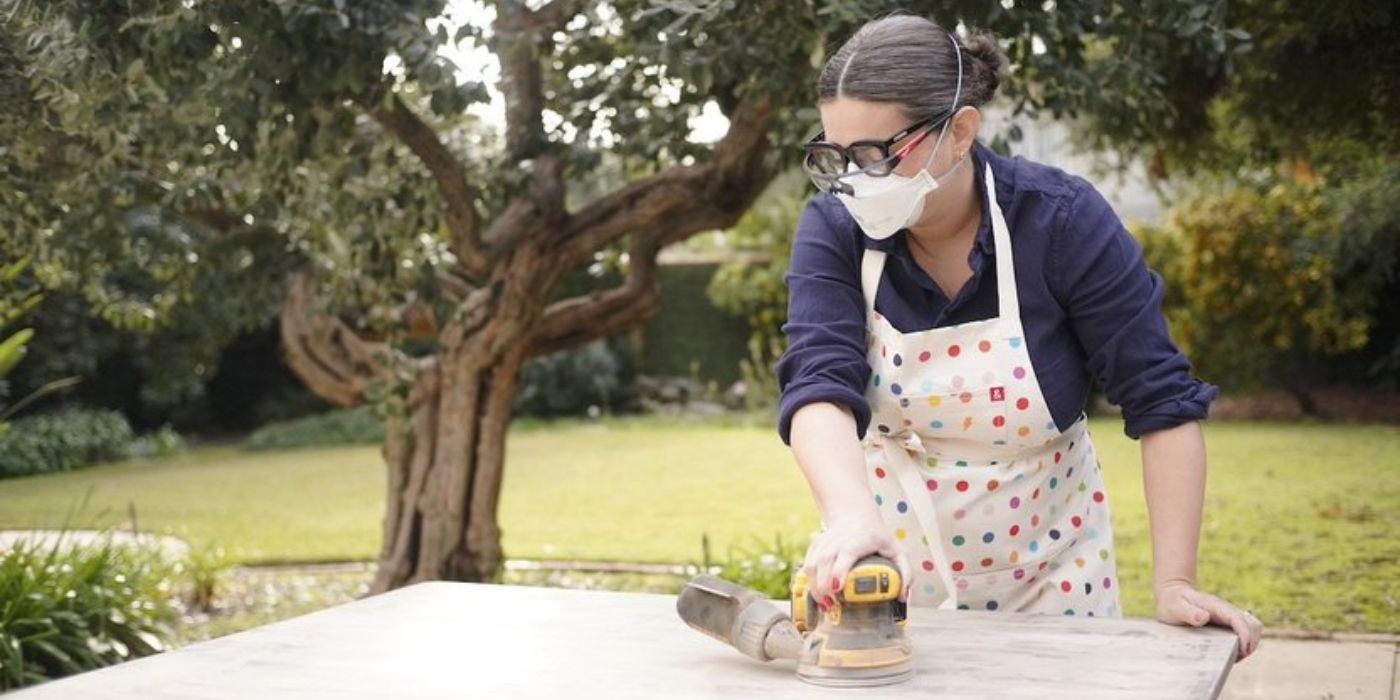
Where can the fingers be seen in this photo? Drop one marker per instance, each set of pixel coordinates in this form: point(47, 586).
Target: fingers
point(894, 551)
point(817, 568)
point(1188, 606)
point(1256, 634)
point(833, 563)
point(835, 551)
point(840, 566)
point(1188, 612)
point(901, 562)
point(1245, 626)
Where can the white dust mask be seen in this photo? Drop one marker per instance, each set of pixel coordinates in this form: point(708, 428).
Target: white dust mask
point(884, 205)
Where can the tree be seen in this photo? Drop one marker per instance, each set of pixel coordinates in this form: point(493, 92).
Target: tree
point(1313, 75)
point(434, 246)
point(1290, 155)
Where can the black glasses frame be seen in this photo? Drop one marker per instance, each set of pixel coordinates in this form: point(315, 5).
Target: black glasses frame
point(880, 167)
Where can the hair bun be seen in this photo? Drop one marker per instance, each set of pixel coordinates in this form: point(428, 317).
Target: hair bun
point(985, 50)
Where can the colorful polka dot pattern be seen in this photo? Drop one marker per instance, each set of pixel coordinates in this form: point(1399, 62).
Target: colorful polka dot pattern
point(1012, 544)
point(955, 394)
point(1020, 505)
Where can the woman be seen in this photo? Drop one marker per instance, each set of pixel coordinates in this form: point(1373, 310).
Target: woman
point(948, 307)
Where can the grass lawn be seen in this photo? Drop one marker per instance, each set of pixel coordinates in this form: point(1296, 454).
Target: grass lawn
point(1302, 520)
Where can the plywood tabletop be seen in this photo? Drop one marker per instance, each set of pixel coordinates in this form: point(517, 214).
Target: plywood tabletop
point(461, 640)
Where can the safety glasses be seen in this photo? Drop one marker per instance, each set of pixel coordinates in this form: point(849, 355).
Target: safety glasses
point(825, 161)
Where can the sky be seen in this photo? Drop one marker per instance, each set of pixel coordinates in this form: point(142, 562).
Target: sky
point(477, 63)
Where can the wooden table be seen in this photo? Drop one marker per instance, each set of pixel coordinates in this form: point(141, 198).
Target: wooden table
point(459, 640)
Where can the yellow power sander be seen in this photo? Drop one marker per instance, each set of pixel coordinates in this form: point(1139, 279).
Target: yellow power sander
point(860, 641)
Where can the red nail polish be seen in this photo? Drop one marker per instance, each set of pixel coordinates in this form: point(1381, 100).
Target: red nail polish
point(828, 602)
point(835, 583)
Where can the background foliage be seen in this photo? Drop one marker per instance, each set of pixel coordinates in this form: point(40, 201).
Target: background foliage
point(167, 163)
point(71, 609)
point(1265, 288)
point(63, 440)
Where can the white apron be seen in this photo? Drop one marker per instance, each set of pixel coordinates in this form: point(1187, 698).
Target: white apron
point(997, 509)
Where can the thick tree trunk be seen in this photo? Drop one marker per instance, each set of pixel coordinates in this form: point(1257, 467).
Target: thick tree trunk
point(445, 450)
point(446, 453)
point(445, 460)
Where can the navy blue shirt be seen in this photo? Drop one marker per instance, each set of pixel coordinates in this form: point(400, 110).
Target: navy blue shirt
point(1090, 306)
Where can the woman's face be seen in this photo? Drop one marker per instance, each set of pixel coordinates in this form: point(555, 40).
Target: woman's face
point(846, 120)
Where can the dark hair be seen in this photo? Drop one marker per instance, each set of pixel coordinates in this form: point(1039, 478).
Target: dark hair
point(909, 61)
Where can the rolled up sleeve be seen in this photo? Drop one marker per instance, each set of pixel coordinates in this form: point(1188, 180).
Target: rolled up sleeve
point(825, 327)
point(1114, 303)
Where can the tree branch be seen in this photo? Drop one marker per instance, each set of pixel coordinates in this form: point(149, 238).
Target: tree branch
point(453, 287)
point(523, 38)
point(572, 322)
point(544, 207)
point(681, 200)
point(329, 357)
point(519, 41)
point(658, 211)
point(447, 172)
point(470, 314)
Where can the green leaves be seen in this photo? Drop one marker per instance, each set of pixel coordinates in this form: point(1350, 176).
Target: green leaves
point(167, 161)
point(62, 441)
point(757, 564)
point(67, 609)
point(12, 350)
point(1256, 295)
point(757, 290)
point(17, 299)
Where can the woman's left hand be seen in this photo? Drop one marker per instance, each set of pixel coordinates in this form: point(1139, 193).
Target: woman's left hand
point(1181, 604)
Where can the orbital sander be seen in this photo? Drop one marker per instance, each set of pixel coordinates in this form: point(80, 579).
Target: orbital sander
point(859, 641)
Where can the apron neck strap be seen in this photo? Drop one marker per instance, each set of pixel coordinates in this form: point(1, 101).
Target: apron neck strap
point(872, 263)
point(1007, 300)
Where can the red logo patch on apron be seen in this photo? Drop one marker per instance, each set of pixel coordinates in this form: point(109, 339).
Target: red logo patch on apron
point(998, 393)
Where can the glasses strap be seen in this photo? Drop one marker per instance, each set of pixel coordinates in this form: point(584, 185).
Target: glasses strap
point(952, 109)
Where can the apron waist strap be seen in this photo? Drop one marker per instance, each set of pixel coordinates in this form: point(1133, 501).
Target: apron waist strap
point(901, 463)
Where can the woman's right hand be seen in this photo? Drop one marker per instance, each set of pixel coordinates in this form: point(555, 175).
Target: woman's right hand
point(847, 539)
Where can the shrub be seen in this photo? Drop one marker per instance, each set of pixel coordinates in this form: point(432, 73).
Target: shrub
point(758, 565)
point(204, 569)
point(161, 443)
point(572, 381)
point(757, 375)
point(1253, 292)
point(343, 426)
point(63, 440)
point(66, 609)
